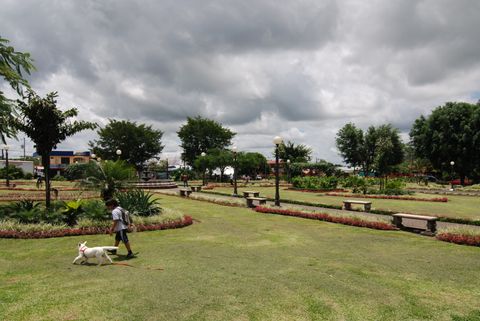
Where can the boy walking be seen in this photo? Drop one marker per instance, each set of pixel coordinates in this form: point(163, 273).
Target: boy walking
point(119, 226)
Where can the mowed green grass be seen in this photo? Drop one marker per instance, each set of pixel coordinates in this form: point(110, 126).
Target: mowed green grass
point(235, 264)
point(466, 207)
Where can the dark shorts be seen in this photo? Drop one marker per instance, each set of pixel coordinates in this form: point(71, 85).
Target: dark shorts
point(122, 236)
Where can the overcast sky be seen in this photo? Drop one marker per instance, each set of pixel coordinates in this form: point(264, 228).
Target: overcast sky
point(298, 69)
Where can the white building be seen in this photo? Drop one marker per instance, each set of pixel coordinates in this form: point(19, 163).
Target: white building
point(26, 166)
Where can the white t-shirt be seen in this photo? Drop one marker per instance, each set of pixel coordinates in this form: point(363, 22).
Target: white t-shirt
point(117, 216)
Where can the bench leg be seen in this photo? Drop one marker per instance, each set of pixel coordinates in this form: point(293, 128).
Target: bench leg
point(432, 226)
point(397, 221)
point(368, 207)
point(347, 206)
point(262, 202)
point(249, 203)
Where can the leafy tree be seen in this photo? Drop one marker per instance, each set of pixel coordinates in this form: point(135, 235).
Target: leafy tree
point(251, 164)
point(450, 133)
point(76, 171)
point(46, 125)
point(12, 66)
point(378, 149)
point(138, 143)
point(350, 143)
point(295, 153)
point(108, 177)
point(14, 172)
point(320, 168)
point(219, 158)
point(200, 135)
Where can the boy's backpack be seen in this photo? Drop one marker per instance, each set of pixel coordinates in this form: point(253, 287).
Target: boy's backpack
point(126, 219)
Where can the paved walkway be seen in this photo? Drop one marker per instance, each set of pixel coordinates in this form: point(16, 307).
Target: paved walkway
point(415, 224)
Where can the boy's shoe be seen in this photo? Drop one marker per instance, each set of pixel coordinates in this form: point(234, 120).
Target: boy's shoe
point(130, 256)
point(113, 252)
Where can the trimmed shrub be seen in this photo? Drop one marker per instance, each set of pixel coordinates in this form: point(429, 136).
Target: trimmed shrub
point(313, 182)
point(138, 202)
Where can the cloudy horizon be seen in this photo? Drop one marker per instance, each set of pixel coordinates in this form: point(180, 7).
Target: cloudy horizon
point(300, 70)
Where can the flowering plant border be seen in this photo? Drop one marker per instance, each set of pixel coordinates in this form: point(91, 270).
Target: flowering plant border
point(472, 240)
point(391, 197)
point(185, 221)
point(329, 218)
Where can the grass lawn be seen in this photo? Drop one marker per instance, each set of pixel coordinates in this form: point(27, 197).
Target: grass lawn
point(235, 264)
point(457, 206)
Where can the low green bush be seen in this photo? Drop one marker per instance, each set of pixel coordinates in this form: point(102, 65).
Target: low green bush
point(314, 182)
point(139, 202)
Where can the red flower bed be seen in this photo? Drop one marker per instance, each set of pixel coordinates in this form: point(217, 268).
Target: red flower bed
point(459, 239)
point(315, 190)
point(187, 220)
point(392, 197)
point(328, 218)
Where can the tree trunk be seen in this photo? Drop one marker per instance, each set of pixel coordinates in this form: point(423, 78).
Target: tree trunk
point(462, 179)
point(46, 171)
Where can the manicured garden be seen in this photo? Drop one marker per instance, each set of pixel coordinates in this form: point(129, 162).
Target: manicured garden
point(236, 264)
point(464, 207)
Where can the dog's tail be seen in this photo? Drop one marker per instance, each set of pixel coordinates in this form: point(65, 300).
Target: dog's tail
point(110, 248)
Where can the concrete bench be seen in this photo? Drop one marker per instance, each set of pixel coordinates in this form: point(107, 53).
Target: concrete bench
point(261, 201)
point(347, 204)
point(185, 192)
point(431, 221)
point(196, 188)
point(251, 194)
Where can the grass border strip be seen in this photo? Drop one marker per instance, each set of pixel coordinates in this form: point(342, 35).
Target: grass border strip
point(328, 218)
point(390, 197)
point(185, 221)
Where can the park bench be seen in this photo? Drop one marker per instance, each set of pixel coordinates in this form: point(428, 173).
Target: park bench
point(347, 204)
point(431, 221)
point(261, 201)
point(251, 194)
point(196, 188)
point(185, 192)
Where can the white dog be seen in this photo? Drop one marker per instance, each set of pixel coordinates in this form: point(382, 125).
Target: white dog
point(86, 253)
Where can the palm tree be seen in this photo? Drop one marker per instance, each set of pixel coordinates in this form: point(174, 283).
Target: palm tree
point(108, 177)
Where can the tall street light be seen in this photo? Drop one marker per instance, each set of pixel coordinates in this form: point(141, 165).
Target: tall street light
point(277, 141)
point(234, 150)
point(203, 167)
point(451, 182)
point(288, 171)
point(119, 153)
point(6, 148)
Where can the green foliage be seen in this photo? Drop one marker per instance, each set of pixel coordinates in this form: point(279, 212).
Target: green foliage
point(76, 171)
point(71, 211)
point(313, 182)
point(14, 172)
point(450, 133)
point(47, 126)
point(251, 164)
point(59, 178)
point(25, 211)
point(28, 176)
point(107, 177)
point(379, 148)
point(139, 202)
point(321, 167)
point(296, 154)
point(95, 210)
point(138, 142)
point(350, 143)
point(201, 135)
point(357, 184)
point(12, 66)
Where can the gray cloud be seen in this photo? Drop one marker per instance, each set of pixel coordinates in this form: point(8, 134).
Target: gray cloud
point(300, 68)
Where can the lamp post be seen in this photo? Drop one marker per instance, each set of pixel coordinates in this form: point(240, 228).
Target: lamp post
point(167, 167)
point(451, 182)
point(234, 150)
point(119, 153)
point(288, 171)
point(6, 148)
point(277, 141)
point(203, 167)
